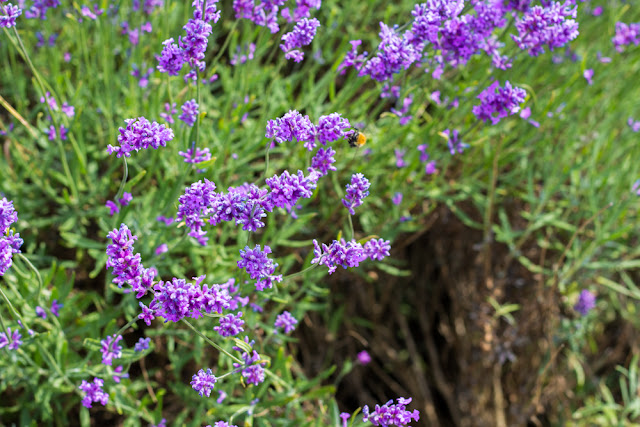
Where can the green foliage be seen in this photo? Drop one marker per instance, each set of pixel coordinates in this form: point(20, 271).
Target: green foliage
point(563, 188)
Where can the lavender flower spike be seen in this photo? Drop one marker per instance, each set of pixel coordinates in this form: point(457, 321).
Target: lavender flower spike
point(140, 134)
point(356, 192)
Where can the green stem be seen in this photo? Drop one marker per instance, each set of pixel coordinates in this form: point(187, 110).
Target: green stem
point(226, 41)
point(351, 227)
point(214, 345)
point(40, 283)
point(125, 175)
point(63, 157)
point(292, 275)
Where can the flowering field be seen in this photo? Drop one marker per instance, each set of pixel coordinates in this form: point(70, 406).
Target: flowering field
point(307, 213)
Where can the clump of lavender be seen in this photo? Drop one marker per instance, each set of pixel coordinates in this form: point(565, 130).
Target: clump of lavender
point(191, 48)
point(286, 321)
point(176, 299)
point(357, 190)
point(331, 128)
point(348, 254)
point(377, 249)
point(10, 243)
point(391, 414)
point(230, 325)
point(302, 10)
point(292, 125)
point(140, 134)
point(497, 103)
point(287, 189)
point(15, 336)
point(196, 155)
point(625, 35)
point(454, 142)
point(93, 392)
point(203, 382)
point(264, 14)
point(252, 369)
point(302, 35)
point(586, 302)
point(8, 15)
point(323, 161)
point(540, 26)
point(110, 349)
point(259, 266)
point(339, 253)
point(189, 112)
point(126, 265)
point(123, 201)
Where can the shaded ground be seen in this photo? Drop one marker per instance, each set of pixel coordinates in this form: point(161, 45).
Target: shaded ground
point(434, 336)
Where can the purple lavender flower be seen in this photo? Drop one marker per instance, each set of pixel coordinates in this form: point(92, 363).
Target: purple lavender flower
point(203, 382)
point(196, 155)
point(113, 208)
point(252, 370)
point(397, 198)
point(287, 189)
point(302, 10)
point(140, 134)
point(10, 243)
point(454, 142)
point(286, 321)
point(634, 125)
point(588, 75)
point(501, 101)
point(161, 249)
point(40, 312)
point(357, 190)
point(395, 53)
point(126, 264)
point(194, 44)
point(211, 12)
point(94, 392)
point(110, 349)
point(586, 302)
point(339, 253)
point(352, 59)
point(197, 202)
point(142, 344)
point(391, 414)
point(118, 375)
point(55, 307)
point(259, 266)
point(230, 325)
point(8, 15)
point(171, 59)
point(344, 416)
point(402, 113)
point(331, 128)
point(240, 58)
point(323, 161)
point(189, 112)
point(8, 215)
point(170, 110)
point(292, 125)
point(125, 199)
point(302, 35)
point(625, 35)
point(399, 154)
point(377, 249)
point(265, 14)
point(15, 336)
point(177, 299)
point(147, 314)
point(548, 25)
point(223, 424)
point(364, 358)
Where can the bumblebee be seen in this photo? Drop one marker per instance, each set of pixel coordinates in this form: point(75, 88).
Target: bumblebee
point(357, 139)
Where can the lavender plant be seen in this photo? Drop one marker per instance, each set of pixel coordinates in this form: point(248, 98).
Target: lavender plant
point(255, 185)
